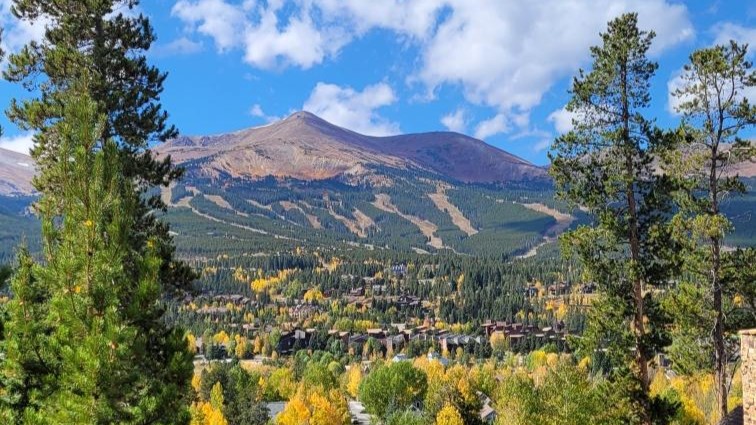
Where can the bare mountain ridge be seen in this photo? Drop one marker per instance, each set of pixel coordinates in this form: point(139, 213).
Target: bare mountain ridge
point(304, 146)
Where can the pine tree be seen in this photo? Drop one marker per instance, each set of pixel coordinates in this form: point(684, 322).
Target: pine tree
point(715, 110)
point(605, 165)
point(86, 343)
point(96, 39)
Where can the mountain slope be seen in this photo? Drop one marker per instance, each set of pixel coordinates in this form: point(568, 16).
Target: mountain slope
point(306, 147)
point(16, 172)
point(305, 182)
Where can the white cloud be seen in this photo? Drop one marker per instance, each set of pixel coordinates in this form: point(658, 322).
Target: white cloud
point(414, 18)
point(505, 54)
point(677, 82)
point(562, 120)
point(542, 145)
point(179, 46)
point(726, 31)
point(355, 110)
point(455, 121)
point(214, 18)
point(257, 111)
point(723, 32)
point(487, 128)
point(16, 34)
point(269, 37)
point(674, 102)
point(20, 143)
point(270, 43)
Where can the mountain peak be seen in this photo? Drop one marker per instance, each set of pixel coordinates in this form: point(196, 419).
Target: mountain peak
point(302, 115)
point(306, 147)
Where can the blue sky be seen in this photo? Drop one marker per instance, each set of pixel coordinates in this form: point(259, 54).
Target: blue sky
point(494, 69)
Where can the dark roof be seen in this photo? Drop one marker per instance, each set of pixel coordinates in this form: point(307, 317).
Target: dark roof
point(735, 417)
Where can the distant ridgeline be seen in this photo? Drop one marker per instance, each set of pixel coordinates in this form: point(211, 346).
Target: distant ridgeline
point(303, 182)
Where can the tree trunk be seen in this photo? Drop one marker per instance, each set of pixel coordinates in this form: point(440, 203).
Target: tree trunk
point(638, 324)
point(720, 353)
point(638, 327)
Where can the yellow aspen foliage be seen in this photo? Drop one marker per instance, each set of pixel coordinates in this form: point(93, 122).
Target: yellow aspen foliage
point(455, 373)
point(465, 388)
point(328, 410)
point(315, 408)
point(584, 363)
point(257, 346)
point(433, 369)
point(353, 379)
point(537, 359)
point(242, 348)
point(561, 312)
point(191, 342)
point(240, 275)
point(448, 415)
point(281, 383)
point(697, 395)
point(552, 359)
point(216, 396)
point(498, 341)
point(295, 413)
point(313, 294)
point(196, 382)
point(221, 338)
point(204, 413)
point(459, 353)
point(735, 397)
point(659, 383)
point(262, 283)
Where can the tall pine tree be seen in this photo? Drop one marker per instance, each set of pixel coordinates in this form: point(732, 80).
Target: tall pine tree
point(97, 39)
point(85, 339)
point(605, 165)
point(85, 334)
point(715, 110)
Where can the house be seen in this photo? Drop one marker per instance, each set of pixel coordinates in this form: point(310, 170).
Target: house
point(400, 358)
point(487, 412)
point(558, 289)
point(530, 292)
point(376, 333)
point(399, 269)
point(394, 343)
point(293, 338)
